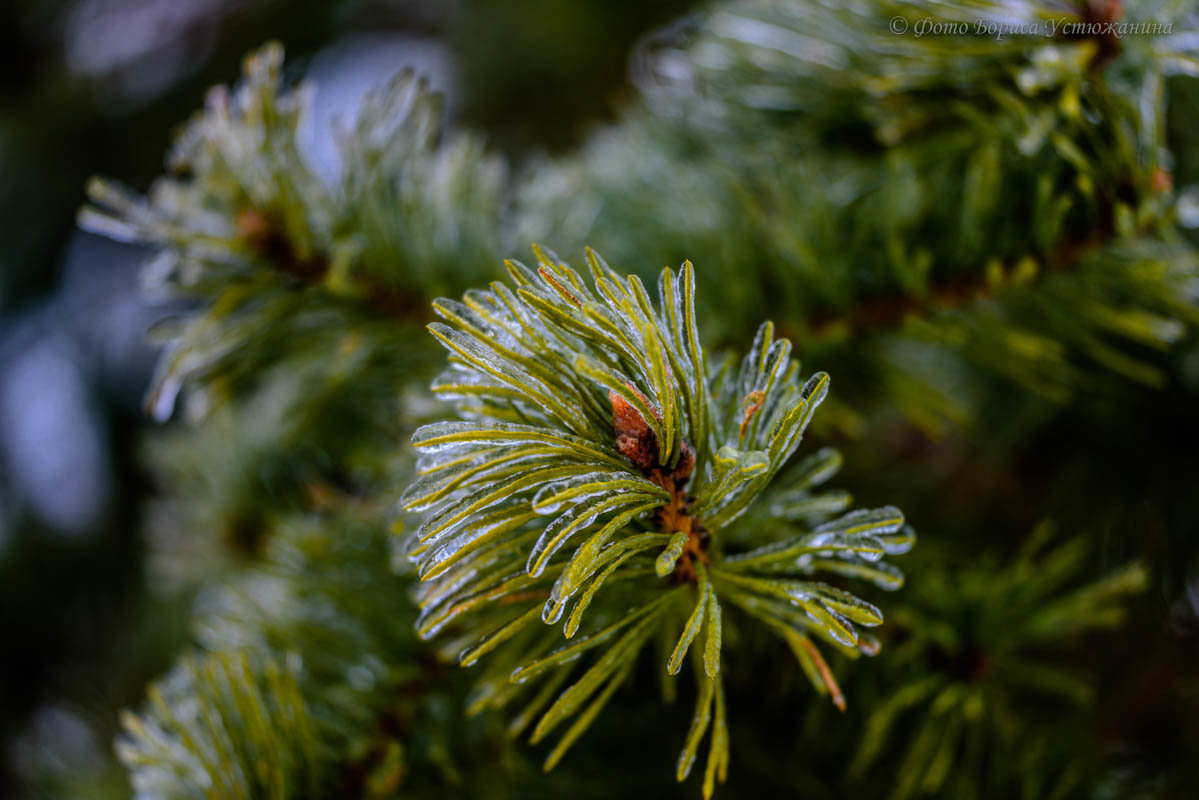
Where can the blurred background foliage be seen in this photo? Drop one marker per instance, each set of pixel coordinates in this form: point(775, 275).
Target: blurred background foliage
point(101, 583)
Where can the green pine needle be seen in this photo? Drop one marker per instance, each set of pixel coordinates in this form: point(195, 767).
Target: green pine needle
point(598, 460)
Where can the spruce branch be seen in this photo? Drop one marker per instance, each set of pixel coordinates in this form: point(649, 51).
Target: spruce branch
point(604, 472)
point(298, 363)
point(207, 753)
point(277, 252)
point(603, 465)
point(307, 682)
point(977, 640)
point(885, 194)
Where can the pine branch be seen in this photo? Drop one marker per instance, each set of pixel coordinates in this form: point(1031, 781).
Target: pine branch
point(589, 414)
point(854, 180)
point(298, 364)
point(277, 253)
point(309, 682)
point(975, 641)
point(603, 471)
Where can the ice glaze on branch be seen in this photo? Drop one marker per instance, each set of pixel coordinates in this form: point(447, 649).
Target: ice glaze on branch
point(604, 473)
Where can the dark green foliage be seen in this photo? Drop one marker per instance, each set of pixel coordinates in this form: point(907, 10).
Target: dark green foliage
point(187, 756)
point(310, 682)
point(922, 216)
point(295, 372)
point(889, 196)
point(282, 255)
point(977, 641)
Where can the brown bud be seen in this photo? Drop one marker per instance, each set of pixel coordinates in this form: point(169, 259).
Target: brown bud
point(1163, 181)
point(253, 226)
point(686, 465)
point(635, 439)
point(263, 233)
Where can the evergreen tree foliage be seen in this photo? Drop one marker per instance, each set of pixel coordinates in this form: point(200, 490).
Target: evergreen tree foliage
point(968, 228)
point(981, 640)
point(308, 682)
point(891, 195)
point(591, 414)
point(294, 370)
point(280, 255)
